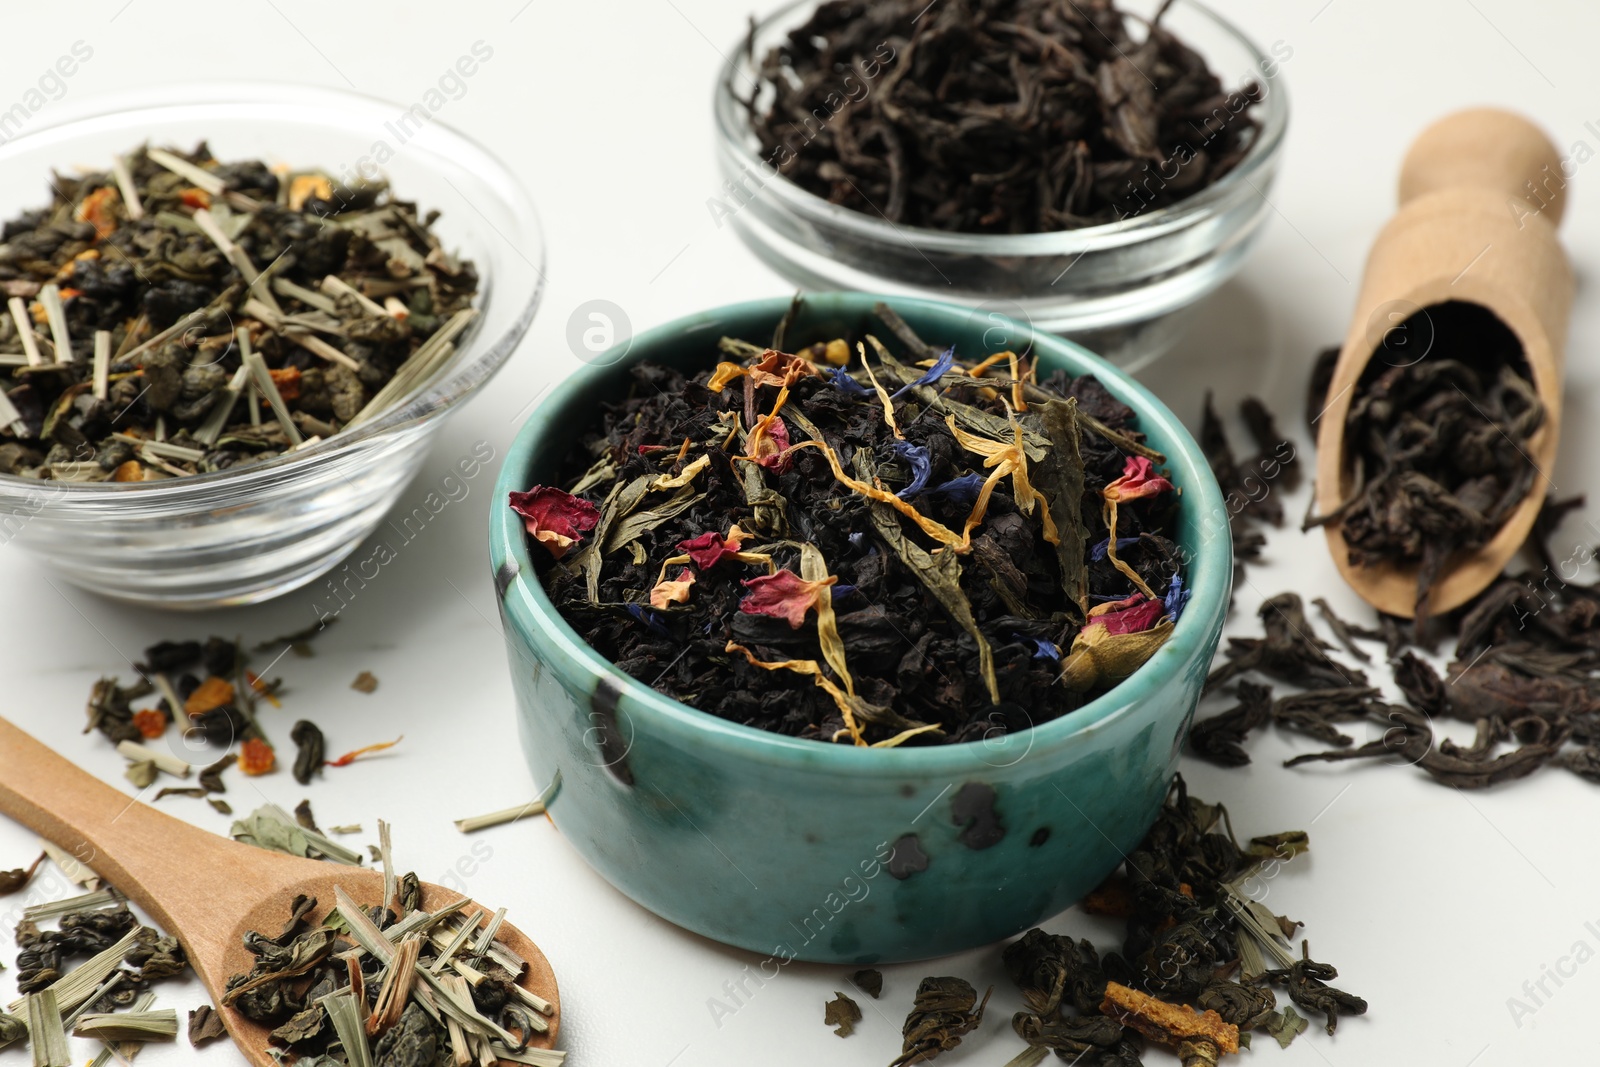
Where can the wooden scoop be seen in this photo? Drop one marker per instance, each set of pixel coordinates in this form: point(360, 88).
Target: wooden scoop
point(203, 889)
point(1481, 195)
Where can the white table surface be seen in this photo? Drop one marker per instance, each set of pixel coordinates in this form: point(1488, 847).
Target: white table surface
point(1436, 905)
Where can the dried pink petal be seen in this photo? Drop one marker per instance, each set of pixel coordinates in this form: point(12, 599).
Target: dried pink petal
point(784, 595)
point(1139, 479)
point(772, 446)
point(711, 548)
point(1134, 615)
point(556, 519)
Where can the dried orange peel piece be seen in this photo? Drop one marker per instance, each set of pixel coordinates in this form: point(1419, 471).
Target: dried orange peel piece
point(256, 757)
point(1199, 1038)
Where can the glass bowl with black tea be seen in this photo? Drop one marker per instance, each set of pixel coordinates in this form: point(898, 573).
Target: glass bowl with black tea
point(1091, 168)
point(850, 590)
point(235, 319)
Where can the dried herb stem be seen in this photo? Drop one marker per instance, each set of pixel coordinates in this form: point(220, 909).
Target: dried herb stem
point(164, 761)
point(24, 324)
point(129, 1026)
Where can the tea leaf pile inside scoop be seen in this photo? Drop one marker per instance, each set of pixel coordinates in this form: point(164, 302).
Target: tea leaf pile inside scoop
point(870, 540)
point(392, 985)
point(1438, 447)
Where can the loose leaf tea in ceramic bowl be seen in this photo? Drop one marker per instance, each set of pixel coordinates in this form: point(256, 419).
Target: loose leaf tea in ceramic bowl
point(1018, 117)
point(177, 315)
point(839, 543)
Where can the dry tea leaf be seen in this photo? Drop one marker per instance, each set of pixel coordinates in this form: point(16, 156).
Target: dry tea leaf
point(17, 880)
point(842, 1014)
point(205, 1025)
point(853, 484)
point(310, 750)
point(869, 981)
point(1079, 106)
point(945, 1011)
point(12, 1029)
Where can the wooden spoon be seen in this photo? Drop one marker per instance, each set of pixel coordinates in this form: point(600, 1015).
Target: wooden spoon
point(205, 890)
point(1481, 194)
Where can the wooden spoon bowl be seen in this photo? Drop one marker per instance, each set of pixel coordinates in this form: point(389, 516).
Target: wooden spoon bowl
point(1481, 194)
point(205, 890)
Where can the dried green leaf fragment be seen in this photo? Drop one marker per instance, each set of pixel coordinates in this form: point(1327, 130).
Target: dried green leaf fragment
point(842, 1014)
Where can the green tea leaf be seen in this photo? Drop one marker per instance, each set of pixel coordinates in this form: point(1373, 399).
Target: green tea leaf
point(940, 574)
point(628, 529)
point(1285, 1026)
point(842, 1014)
point(1060, 478)
point(619, 503)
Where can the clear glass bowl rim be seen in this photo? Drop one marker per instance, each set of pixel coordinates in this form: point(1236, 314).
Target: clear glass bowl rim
point(733, 129)
point(475, 367)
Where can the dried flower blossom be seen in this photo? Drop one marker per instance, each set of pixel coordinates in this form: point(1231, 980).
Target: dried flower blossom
point(556, 519)
point(840, 379)
point(769, 442)
point(1177, 597)
point(962, 490)
point(1005, 458)
point(1138, 480)
point(365, 750)
point(921, 464)
point(940, 368)
point(674, 591)
point(1132, 615)
point(784, 595)
point(711, 547)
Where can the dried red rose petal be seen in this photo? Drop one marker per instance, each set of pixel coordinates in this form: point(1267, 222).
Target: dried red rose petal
point(772, 447)
point(1134, 615)
point(784, 595)
point(1139, 479)
point(556, 519)
point(711, 548)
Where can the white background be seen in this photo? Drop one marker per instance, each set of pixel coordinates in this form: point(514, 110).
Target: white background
point(1436, 905)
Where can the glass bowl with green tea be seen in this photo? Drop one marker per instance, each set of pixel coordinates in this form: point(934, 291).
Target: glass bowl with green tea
point(233, 330)
point(1093, 169)
point(847, 566)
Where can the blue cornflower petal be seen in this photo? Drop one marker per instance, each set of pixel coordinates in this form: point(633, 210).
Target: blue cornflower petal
point(1042, 649)
point(962, 490)
point(650, 617)
point(940, 368)
point(1177, 596)
point(842, 381)
point(921, 466)
point(1098, 552)
point(840, 592)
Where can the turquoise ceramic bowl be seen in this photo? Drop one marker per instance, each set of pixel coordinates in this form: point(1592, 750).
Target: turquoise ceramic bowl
point(797, 849)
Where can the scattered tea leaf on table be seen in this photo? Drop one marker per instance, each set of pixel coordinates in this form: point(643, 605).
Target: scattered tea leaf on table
point(842, 1014)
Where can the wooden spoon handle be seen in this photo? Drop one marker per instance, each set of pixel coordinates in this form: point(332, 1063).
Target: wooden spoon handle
point(164, 865)
point(1487, 148)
